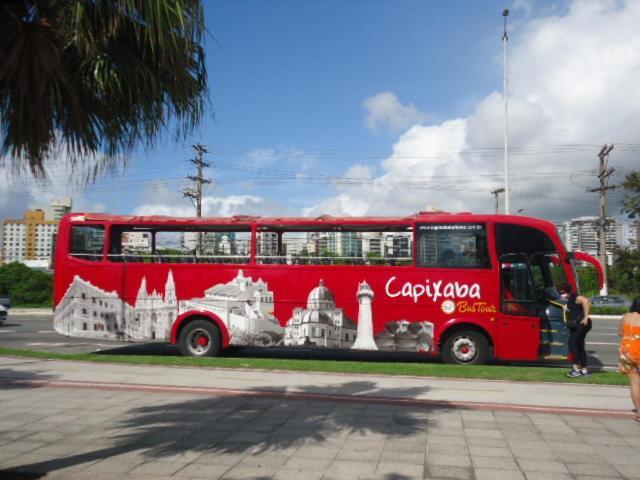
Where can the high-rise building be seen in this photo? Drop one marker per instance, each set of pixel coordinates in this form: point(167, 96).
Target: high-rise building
point(583, 234)
point(345, 244)
point(28, 239)
point(627, 234)
point(57, 209)
point(268, 244)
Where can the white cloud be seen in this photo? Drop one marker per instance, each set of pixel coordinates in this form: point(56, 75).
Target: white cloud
point(288, 155)
point(384, 110)
point(263, 156)
point(173, 204)
point(573, 81)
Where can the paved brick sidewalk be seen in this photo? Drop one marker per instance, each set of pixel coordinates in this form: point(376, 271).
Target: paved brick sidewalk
point(436, 390)
point(68, 433)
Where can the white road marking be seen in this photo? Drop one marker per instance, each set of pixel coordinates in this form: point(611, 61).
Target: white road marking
point(48, 344)
point(603, 343)
point(8, 331)
point(47, 331)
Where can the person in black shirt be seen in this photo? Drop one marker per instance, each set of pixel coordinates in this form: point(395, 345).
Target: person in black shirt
point(579, 324)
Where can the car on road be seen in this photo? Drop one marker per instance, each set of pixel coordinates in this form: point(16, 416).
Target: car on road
point(5, 304)
point(614, 301)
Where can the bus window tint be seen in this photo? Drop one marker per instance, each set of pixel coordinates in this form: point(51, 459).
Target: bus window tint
point(390, 246)
point(453, 245)
point(87, 242)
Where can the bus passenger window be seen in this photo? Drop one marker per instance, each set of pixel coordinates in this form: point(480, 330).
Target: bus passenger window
point(87, 242)
point(453, 245)
point(366, 245)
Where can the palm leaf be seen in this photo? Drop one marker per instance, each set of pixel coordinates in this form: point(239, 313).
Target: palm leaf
point(99, 77)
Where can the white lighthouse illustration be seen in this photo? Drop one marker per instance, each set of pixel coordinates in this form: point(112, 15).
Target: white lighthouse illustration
point(364, 337)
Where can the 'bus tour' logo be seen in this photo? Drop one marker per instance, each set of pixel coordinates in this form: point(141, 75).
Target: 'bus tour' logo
point(448, 307)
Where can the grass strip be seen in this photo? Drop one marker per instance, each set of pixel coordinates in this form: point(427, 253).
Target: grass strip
point(482, 372)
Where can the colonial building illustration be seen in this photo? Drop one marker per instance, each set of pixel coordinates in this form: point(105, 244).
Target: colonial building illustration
point(152, 315)
point(245, 307)
point(321, 324)
point(89, 311)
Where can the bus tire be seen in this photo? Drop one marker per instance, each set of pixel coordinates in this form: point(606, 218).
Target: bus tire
point(465, 347)
point(199, 338)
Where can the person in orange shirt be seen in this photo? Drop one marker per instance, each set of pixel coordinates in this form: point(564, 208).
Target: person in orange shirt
point(630, 352)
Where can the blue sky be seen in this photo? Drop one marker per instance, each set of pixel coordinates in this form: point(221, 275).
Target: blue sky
point(289, 81)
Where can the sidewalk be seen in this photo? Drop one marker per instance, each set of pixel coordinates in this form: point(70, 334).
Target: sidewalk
point(87, 421)
point(551, 397)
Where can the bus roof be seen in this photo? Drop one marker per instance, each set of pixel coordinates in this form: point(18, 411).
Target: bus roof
point(427, 217)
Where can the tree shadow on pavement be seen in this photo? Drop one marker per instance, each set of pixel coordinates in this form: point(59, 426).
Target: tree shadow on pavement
point(11, 379)
point(241, 428)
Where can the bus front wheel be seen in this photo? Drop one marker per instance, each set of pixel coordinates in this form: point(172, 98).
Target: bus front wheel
point(466, 347)
point(199, 338)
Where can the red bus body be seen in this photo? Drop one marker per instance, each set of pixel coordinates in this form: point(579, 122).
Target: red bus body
point(406, 305)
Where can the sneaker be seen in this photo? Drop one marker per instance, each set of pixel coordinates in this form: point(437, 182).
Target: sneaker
point(574, 374)
point(586, 374)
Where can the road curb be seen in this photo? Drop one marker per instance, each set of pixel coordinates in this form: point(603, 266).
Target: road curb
point(605, 317)
point(30, 311)
point(369, 399)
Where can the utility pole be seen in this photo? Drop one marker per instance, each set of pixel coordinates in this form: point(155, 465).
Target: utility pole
point(194, 191)
point(497, 193)
point(604, 174)
point(505, 94)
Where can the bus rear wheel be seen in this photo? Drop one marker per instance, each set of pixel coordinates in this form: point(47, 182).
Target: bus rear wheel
point(199, 338)
point(466, 347)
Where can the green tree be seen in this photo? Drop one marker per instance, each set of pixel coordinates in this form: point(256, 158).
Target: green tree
point(625, 272)
point(588, 280)
point(35, 291)
point(631, 200)
point(12, 274)
point(97, 77)
point(26, 287)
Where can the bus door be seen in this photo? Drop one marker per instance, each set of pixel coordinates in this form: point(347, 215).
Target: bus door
point(519, 329)
point(548, 275)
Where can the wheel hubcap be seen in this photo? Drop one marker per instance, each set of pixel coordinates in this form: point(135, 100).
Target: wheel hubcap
point(199, 341)
point(464, 349)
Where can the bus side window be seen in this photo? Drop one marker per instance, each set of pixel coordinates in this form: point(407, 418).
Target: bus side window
point(453, 245)
point(87, 242)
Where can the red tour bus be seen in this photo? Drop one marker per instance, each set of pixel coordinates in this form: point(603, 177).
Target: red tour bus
point(470, 288)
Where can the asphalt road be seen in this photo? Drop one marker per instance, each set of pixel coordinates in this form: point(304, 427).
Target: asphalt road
point(36, 333)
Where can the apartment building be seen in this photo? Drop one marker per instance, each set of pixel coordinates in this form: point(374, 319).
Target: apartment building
point(30, 240)
point(583, 234)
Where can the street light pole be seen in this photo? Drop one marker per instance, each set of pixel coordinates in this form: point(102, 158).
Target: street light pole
point(507, 190)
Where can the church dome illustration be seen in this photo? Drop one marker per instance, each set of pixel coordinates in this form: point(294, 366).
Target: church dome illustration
point(321, 323)
point(317, 316)
point(320, 298)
